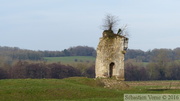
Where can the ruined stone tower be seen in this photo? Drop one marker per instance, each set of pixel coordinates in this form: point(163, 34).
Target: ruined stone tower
point(110, 56)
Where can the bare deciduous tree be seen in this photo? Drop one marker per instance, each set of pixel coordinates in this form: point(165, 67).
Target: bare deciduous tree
point(110, 22)
point(123, 31)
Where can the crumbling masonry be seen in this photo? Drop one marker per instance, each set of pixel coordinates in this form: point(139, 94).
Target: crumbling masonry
point(110, 56)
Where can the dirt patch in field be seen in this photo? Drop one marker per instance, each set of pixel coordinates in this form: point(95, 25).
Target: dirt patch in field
point(158, 84)
point(114, 84)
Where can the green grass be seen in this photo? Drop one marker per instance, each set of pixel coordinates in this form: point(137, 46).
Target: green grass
point(72, 89)
point(71, 59)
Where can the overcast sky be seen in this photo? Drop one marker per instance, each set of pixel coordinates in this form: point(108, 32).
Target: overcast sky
point(60, 24)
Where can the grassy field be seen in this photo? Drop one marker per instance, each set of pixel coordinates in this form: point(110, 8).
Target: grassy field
point(71, 59)
point(77, 88)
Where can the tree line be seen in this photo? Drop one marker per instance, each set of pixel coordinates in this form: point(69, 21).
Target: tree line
point(152, 71)
point(156, 64)
point(24, 69)
point(9, 54)
point(133, 71)
point(153, 55)
point(13, 53)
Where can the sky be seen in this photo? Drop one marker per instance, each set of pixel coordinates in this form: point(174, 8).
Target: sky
point(60, 24)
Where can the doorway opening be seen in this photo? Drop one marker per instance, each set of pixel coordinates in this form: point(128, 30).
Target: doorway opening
point(111, 67)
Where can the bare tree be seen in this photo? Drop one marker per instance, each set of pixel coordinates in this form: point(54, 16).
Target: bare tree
point(110, 22)
point(123, 31)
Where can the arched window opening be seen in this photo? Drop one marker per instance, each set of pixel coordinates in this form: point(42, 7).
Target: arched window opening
point(111, 67)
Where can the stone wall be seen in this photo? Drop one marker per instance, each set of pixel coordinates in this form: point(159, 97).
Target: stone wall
point(110, 56)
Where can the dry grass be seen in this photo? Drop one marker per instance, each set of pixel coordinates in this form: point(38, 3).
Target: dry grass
point(156, 84)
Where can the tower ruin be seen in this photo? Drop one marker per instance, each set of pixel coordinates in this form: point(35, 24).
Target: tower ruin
point(110, 56)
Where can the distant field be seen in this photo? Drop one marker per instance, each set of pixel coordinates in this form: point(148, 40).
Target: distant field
point(77, 89)
point(71, 59)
